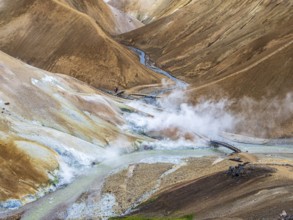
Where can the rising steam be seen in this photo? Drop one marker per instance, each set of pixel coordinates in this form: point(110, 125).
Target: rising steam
point(176, 122)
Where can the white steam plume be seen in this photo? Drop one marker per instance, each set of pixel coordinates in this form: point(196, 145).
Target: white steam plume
point(265, 117)
point(174, 119)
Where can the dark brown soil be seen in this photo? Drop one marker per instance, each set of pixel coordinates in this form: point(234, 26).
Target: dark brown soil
point(221, 196)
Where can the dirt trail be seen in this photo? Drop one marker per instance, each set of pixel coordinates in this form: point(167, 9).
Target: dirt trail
point(246, 68)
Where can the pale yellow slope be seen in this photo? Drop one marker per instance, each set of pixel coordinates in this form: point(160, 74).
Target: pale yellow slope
point(51, 123)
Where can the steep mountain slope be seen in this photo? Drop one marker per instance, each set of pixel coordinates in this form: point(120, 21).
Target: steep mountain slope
point(261, 93)
point(51, 127)
point(208, 40)
point(109, 18)
point(148, 11)
point(232, 49)
point(55, 37)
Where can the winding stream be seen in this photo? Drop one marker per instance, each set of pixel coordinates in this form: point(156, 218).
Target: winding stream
point(144, 59)
point(46, 207)
point(93, 179)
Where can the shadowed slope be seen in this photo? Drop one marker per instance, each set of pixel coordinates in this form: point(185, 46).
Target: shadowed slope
point(55, 37)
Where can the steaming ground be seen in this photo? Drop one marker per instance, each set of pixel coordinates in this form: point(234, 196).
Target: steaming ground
point(266, 117)
point(74, 127)
point(173, 114)
point(178, 125)
point(73, 139)
point(168, 125)
point(52, 129)
point(64, 127)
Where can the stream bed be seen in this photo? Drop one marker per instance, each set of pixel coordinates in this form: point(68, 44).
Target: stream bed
point(92, 179)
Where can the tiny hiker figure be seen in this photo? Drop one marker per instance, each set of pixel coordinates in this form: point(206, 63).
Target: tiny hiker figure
point(116, 90)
